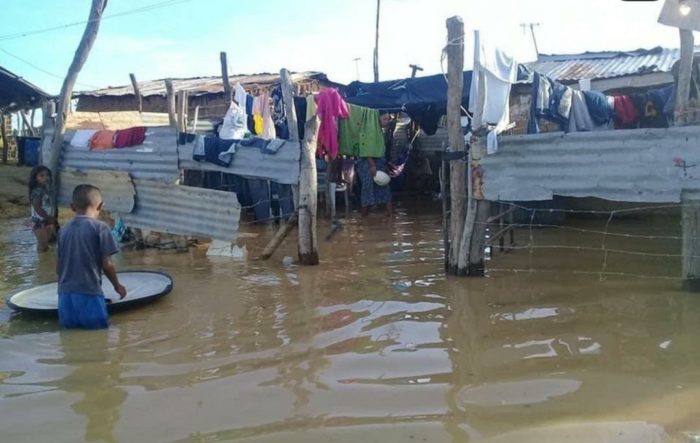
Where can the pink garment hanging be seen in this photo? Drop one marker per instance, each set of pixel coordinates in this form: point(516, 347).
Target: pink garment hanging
point(330, 106)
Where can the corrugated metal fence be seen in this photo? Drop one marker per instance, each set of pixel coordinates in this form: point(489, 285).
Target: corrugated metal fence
point(638, 165)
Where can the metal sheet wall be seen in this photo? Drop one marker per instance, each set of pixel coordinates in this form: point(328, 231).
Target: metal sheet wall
point(638, 165)
point(185, 210)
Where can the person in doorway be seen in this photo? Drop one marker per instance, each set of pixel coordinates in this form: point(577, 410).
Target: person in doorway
point(42, 207)
point(372, 193)
point(85, 248)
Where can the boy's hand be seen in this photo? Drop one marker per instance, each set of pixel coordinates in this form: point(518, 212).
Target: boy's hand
point(121, 290)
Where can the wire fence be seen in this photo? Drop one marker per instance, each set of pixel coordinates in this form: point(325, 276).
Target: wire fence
point(642, 242)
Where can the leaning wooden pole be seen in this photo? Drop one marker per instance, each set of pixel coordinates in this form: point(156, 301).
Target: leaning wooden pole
point(64, 99)
point(455, 80)
point(224, 77)
point(137, 92)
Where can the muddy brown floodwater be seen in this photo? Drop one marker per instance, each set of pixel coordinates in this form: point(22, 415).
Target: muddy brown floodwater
point(373, 345)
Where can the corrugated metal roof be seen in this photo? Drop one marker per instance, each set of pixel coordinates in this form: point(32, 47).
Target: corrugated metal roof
point(156, 159)
point(116, 187)
point(600, 65)
point(638, 165)
point(184, 210)
point(200, 85)
point(17, 93)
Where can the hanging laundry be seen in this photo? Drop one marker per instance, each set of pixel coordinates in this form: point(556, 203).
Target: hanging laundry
point(268, 124)
point(626, 115)
point(581, 119)
point(279, 117)
point(310, 107)
point(234, 125)
point(250, 121)
point(550, 100)
point(598, 107)
point(300, 109)
point(493, 74)
point(103, 139)
point(360, 133)
point(125, 138)
point(257, 116)
point(82, 137)
point(330, 106)
point(213, 147)
point(650, 106)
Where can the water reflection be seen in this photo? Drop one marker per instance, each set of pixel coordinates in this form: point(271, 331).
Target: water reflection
point(375, 344)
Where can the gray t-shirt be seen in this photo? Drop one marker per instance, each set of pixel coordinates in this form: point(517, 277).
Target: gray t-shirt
point(82, 244)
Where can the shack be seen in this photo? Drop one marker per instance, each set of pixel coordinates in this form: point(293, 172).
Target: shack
point(17, 96)
point(205, 93)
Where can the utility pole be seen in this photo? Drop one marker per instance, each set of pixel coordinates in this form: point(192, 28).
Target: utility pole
point(414, 69)
point(357, 67)
point(376, 45)
point(532, 27)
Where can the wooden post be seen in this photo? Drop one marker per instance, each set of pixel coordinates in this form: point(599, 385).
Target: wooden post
point(455, 77)
point(224, 77)
point(169, 90)
point(64, 99)
point(289, 108)
point(308, 193)
point(28, 127)
point(685, 71)
point(137, 92)
point(690, 221)
point(182, 112)
point(279, 237)
point(5, 141)
point(376, 44)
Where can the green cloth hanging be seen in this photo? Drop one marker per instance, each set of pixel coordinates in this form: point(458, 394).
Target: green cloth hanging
point(360, 134)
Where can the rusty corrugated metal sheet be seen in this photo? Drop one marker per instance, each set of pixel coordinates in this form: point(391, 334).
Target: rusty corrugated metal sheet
point(185, 210)
point(432, 142)
point(638, 165)
point(198, 85)
point(156, 159)
point(600, 65)
point(117, 188)
point(282, 167)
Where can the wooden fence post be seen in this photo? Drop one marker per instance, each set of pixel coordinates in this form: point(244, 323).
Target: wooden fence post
point(685, 71)
point(308, 195)
point(455, 76)
point(137, 92)
point(170, 91)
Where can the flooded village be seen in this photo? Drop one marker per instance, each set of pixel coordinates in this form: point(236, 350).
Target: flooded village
point(499, 250)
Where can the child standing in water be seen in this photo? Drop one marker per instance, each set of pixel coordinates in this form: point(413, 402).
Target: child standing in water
point(43, 207)
point(85, 249)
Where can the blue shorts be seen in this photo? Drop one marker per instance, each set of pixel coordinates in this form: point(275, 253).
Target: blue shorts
point(82, 311)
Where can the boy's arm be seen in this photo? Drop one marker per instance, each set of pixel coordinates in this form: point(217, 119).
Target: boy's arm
point(111, 273)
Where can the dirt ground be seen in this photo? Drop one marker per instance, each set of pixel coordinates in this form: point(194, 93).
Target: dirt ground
point(14, 201)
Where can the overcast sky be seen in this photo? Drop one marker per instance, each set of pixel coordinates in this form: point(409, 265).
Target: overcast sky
point(184, 38)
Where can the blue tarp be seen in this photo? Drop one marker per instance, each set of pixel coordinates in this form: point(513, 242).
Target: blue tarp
point(424, 99)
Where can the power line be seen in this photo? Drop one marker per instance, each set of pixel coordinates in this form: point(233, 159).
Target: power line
point(27, 62)
point(146, 8)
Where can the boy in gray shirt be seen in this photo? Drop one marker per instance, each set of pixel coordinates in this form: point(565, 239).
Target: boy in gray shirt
point(85, 248)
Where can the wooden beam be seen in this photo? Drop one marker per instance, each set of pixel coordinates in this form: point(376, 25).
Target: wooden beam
point(685, 71)
point(458, 191)
point(376, 44)
point(64, 98)
point(289, 108)
point(224, 77)
point(5, 141)
point(137, 92)
point(690, 222)
point(279, 237)
point(182, 112)
point(170, 91)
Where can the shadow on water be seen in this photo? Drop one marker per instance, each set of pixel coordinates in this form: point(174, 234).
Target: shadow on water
point(375, 344)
